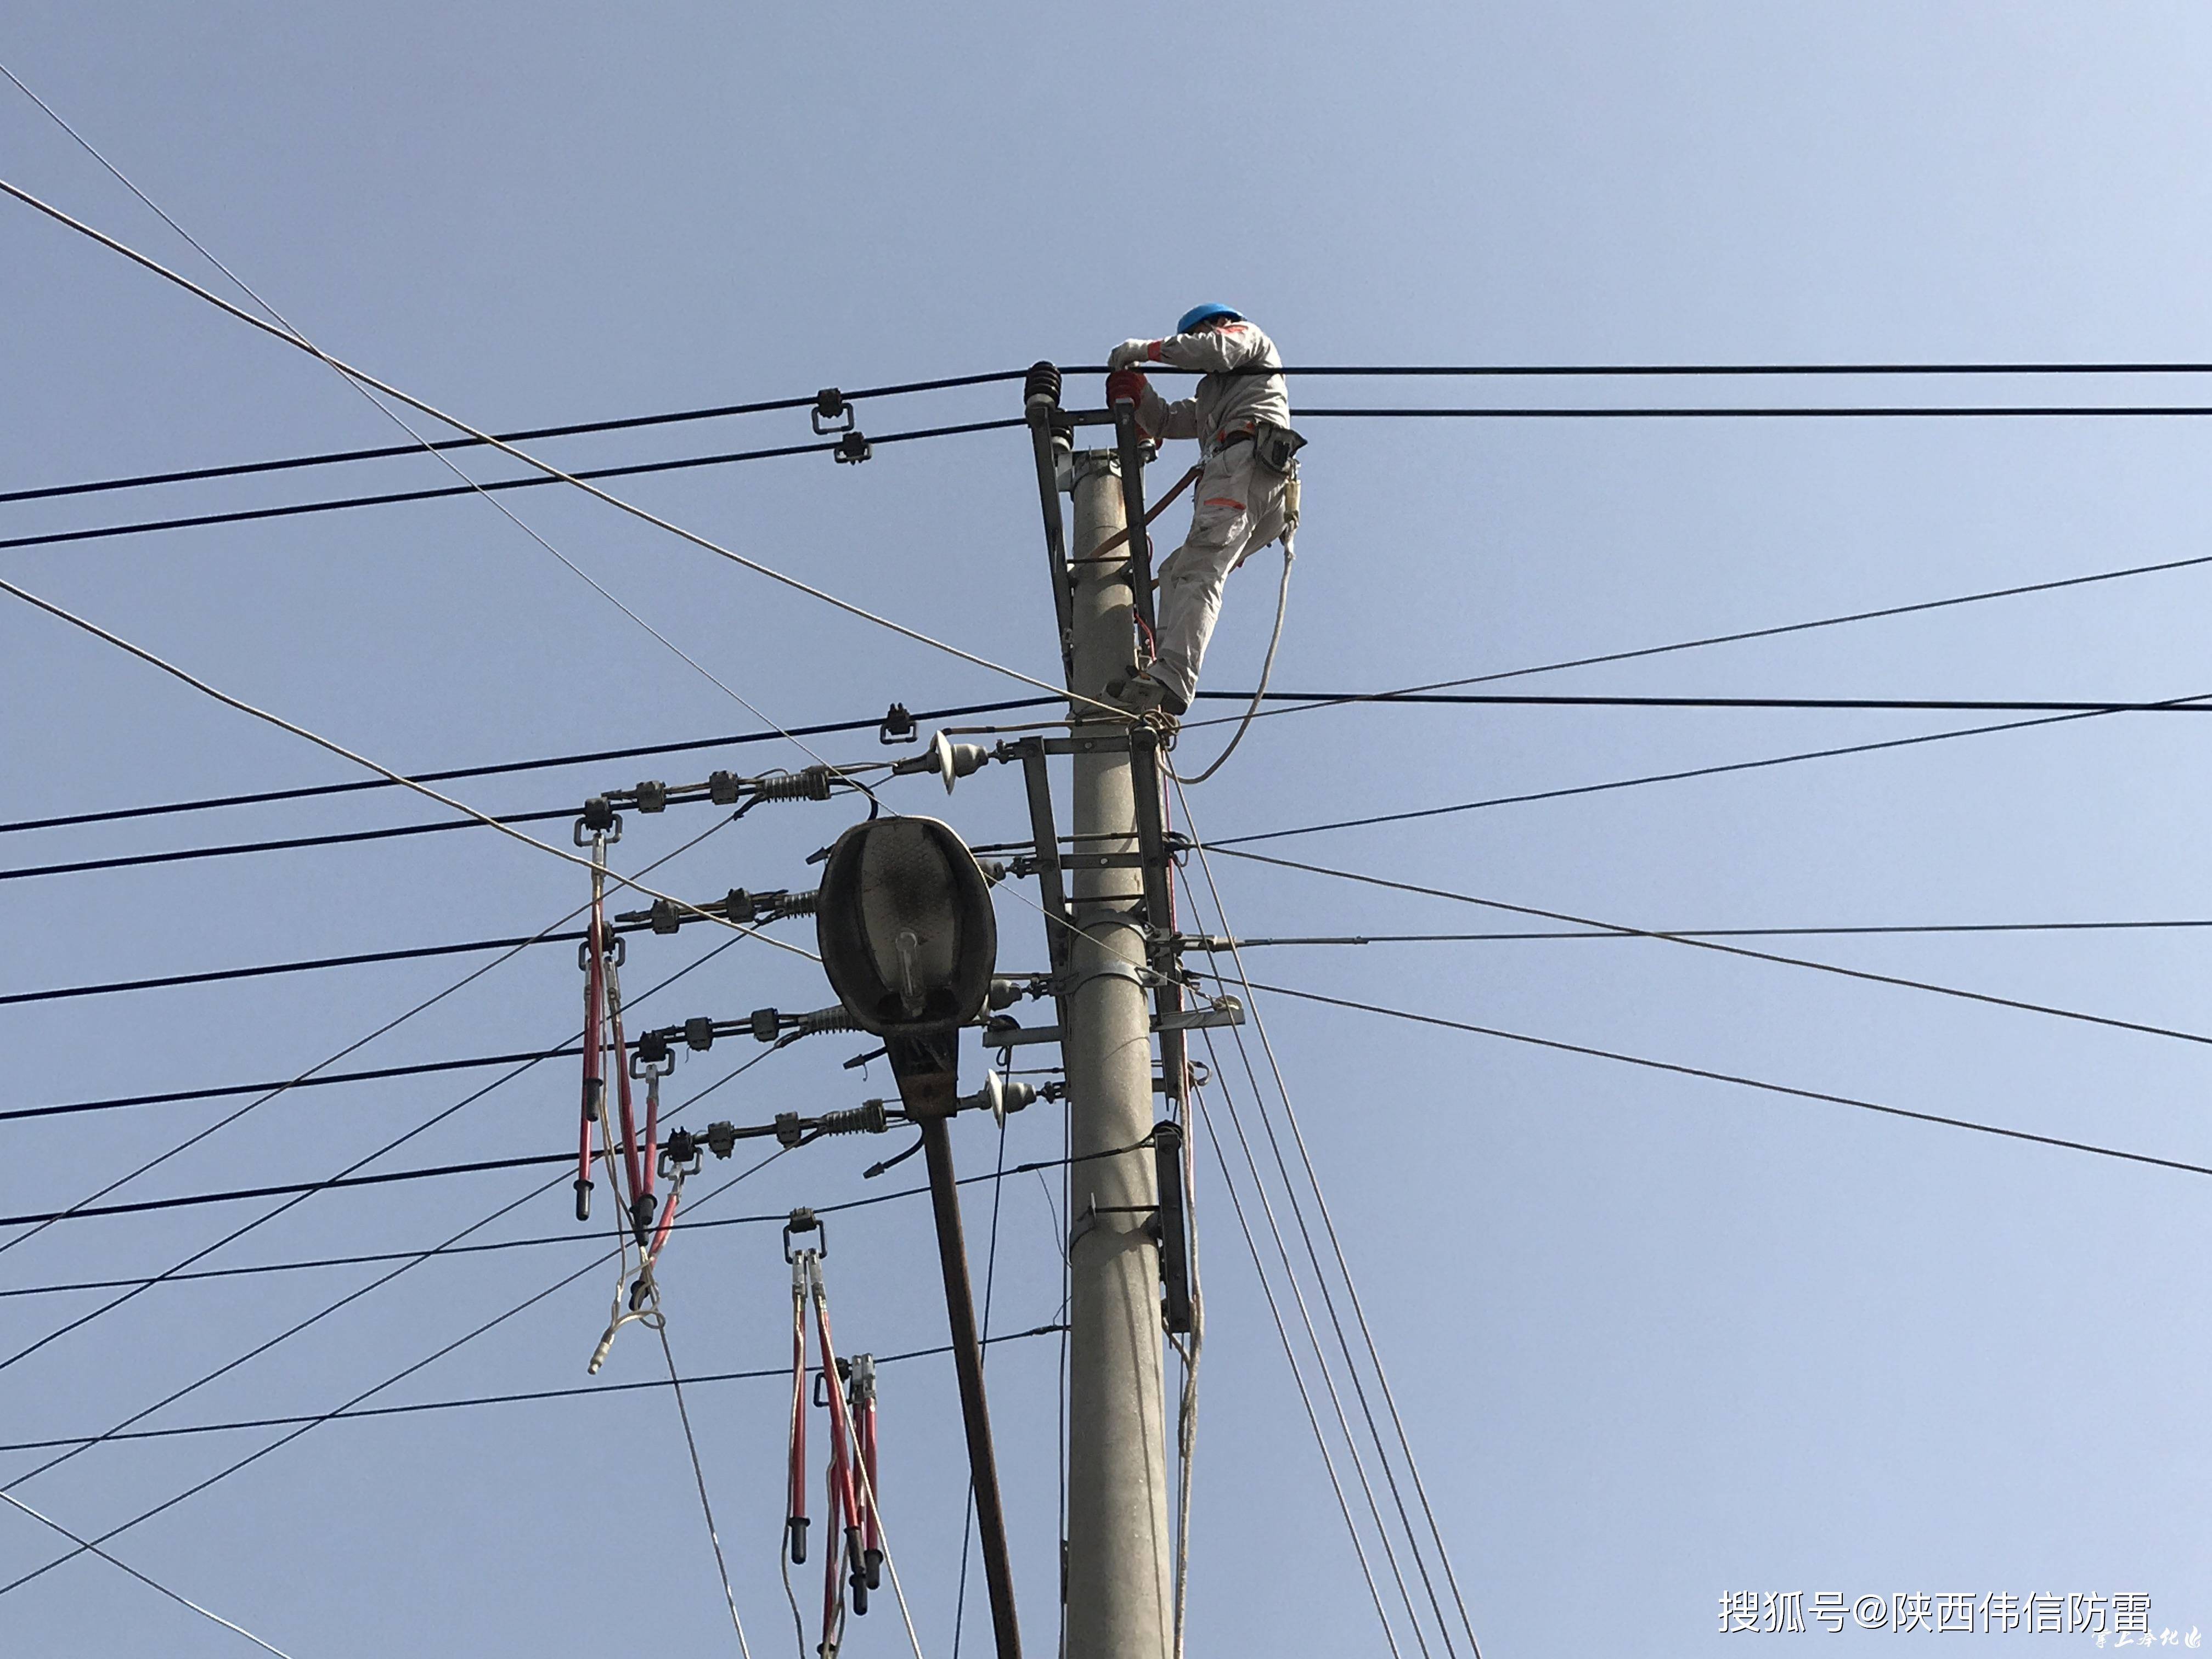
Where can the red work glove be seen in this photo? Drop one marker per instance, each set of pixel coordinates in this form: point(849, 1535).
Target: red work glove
point(1126, 386)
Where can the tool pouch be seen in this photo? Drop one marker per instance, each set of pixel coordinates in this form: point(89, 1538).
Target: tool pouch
point(1275, 447)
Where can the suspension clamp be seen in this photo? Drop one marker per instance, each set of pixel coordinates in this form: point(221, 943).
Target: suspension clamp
point(828, 404)
point(852, 448)
point(897, 726)
point(599, 818)
point(804, 1220)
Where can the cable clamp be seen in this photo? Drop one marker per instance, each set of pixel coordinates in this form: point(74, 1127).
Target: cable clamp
point(804, 1220)
point(828, 405)
point(599, 818)
point(898, 726)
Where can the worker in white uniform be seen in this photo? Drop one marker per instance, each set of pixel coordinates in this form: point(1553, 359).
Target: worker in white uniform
point(1247, 493)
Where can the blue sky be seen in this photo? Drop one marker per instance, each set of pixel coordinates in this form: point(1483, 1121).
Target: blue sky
point(1656, 1338)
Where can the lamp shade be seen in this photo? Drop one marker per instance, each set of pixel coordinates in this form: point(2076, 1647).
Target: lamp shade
point(905, 927)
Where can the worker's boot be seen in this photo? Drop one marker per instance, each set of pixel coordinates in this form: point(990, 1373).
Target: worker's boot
point(1140, 694)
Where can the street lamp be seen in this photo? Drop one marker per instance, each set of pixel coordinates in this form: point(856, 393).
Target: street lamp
point(908, 940)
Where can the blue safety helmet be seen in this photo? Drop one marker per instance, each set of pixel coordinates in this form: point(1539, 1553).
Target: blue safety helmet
point(1207, 313)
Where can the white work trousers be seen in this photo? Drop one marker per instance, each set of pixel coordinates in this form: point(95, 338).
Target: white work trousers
point(1239, 510)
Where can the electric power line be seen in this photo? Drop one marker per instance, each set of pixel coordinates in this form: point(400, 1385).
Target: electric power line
point(1683, 775)
point(721, 411)
point(543, 763)
point(217, 976)
point(1821, 1096)
point(626, 423)
point(1626, 931)
point(388, 498)
point(309, 1264)
point(123, 861)
point(174, 1097)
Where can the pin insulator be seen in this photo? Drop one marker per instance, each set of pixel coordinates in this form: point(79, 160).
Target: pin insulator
point(1041, 386)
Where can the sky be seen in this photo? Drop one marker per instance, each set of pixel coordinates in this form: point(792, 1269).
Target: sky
point(1656, 1338)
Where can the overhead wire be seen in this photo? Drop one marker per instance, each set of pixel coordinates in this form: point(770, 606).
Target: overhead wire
point(78, 866)
point(285, 329)
point(1684, 774)
point(1838, 970)
point(2059, 1141)
point(351, 1169)
point(394, 497)
point(699, 1475)
point(1343, 1264)
point(633, 509)
point(312, 1423)
point(625, 423)
point(341, 751)
point(719, 411)
point(541, 763)
point(153, 1583)
point(1742, 636)
point(471, 1402)
point(1298, 1370)
point(1391, 371)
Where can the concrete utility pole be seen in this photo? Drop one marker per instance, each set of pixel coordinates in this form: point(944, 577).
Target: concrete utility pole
point(1118, 1585)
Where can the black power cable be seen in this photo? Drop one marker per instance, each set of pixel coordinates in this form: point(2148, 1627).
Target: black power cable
point(312, 964)
point(307, 965)
point(320, 1080)
point(681, 1226)
point(295, 509)
point(238, 1195)
point(628, 423)
point(1740, 1082)
point(1493, 371)
point(125, 861)
point(593, 1389)
point(1717, 770)
point(543, 764)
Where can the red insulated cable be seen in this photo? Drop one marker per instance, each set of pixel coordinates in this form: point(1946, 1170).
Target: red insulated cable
point(871, 1532)
point(668, 1214)
point(796, 1524)
point(840, 1430)
point(830, 1563)
point(629, 1117)
point(594, 1069)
